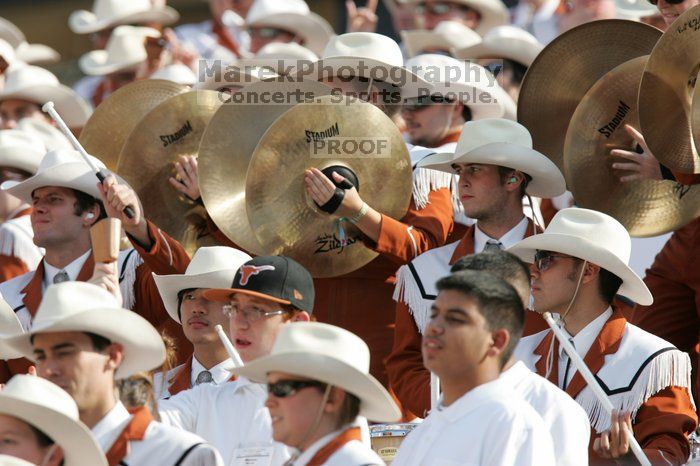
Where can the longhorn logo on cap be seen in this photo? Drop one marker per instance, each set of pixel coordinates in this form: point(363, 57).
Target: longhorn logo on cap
point(248, 271)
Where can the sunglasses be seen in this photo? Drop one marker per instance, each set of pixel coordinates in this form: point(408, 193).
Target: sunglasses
point(544, 259)
point(417, 103)
point(670, 2)
point(285, 388)
point(268, 32)
point(437, 9)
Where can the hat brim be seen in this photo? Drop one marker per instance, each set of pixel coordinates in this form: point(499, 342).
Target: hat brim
point(21, 157)
point(170, 285)
point(223, 295)
point(632, 286)
point(78, 445)
point(143, 346)
point(315, 30)
point(72, 108)
point(37, 54)
point(9, 326)
point(376, 403)
point(75, 175)
point(85, 22)
point(411, 84)
point(512, 49)
point(96, 63)
point(547, 181)
point(418, 41)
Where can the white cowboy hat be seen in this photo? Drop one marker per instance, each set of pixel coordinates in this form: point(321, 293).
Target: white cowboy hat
point(177, 73)
point(211, 267)
point(9, 325)
point(493, 12)
point(38, 85)
point(634, 10)
point(126, 49)
point(49, 408)
point(24, 51)
point(367, 55)
point(7, 52)
point(503, 42)
point(6, 460)
point(446, 36)
point(110, 13)
point(595, 237)
point(497, 141)
point(84, 307)
point(20, 149)
point(328, 354)
point(466, 82)
point(64, 168)
point(49, 135)
point(293, 16)
point(279, 57)
point(235, 77)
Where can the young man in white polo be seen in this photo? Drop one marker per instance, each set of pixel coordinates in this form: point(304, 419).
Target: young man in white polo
point(267, 293)
point(580, 263)
point(480, 418)
point(497, 167)
point(66, 202)
point(83, 342)
point(211, 267)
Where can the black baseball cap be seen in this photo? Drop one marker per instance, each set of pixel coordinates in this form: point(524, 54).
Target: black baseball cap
point(276, 278)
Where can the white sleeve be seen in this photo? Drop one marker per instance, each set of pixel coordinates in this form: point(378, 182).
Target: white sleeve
point(202, 455)
point(519, 442)
point(181, 410)
point(573, 431)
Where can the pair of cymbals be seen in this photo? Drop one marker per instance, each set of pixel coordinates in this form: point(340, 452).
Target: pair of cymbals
point(644, 207)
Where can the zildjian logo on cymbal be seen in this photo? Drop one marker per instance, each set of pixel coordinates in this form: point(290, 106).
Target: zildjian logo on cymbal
point(330, 243)
point(177, 135)
point(610, 128)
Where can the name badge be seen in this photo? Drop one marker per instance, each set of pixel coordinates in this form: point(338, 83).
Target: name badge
point(252, 456)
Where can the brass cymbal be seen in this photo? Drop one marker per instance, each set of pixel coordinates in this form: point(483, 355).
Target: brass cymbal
point(227, 146)
point(645, 208)
point(562, 73)
point(333, 132)
point(171, 129)
point(105, 132)
point(666, 93)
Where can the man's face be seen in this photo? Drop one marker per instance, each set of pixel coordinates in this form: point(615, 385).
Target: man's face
point(17, 439)
point(426, 125)
point(670, 12)
point(354, 87)
point(53, 217)
point(481, 190)
point(261, 36)
point(13, 110)
point(199, 316)
point(434, 12)
point(70, 360)
point(252, 333)
point(457, 338)
point(554, 285)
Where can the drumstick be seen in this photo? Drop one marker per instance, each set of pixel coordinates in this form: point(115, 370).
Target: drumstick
point(434, 391)
point(591, 381)
point(233, 354)
point(49, 108)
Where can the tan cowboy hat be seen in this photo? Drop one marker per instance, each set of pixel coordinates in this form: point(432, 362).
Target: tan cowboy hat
point(367, 55)
point(503, 42)
point(126, 49)
point(497, 141)
point(211, 267)
point(24, 51)
point(20, 149)
point(468, 83)
point(47, 407)
point(38, 85)
point(493, 12)
point(293, 16)
point(9, 325)
point(279, 57)
point(446, 36)
point(84, 307)
point(110, 13)
point(594, 237)
point(64, 168)
point(328, 354)
point(177, 73)
point(234, 77)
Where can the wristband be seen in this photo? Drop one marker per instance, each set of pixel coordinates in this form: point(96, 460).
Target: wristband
point(360, 214)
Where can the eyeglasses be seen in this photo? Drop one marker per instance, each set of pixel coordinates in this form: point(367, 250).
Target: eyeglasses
point(251, 314)
point(544, 259)
point(285, 388)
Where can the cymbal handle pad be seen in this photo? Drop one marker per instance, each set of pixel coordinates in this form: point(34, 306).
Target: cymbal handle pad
point(128, 210)
point(334, 202)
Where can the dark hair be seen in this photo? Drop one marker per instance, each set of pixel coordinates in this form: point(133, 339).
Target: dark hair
point(349, 410)
point(43, 440)
point(515, 69)
point(502, 264)
point(608, 285)
point(84, 201)
point(506, 172)
point(496, 300)
point(467, 113)
point(180, 296)
point(99, 342)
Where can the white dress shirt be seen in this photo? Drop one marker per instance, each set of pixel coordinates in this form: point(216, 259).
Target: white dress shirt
point(582, 343)
point(162, 445)
point(566, 420)
point(229, 416)
point(490, 425)
point(510, 238)
point(220, 373)
point(72, 269)
point(353, 453)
